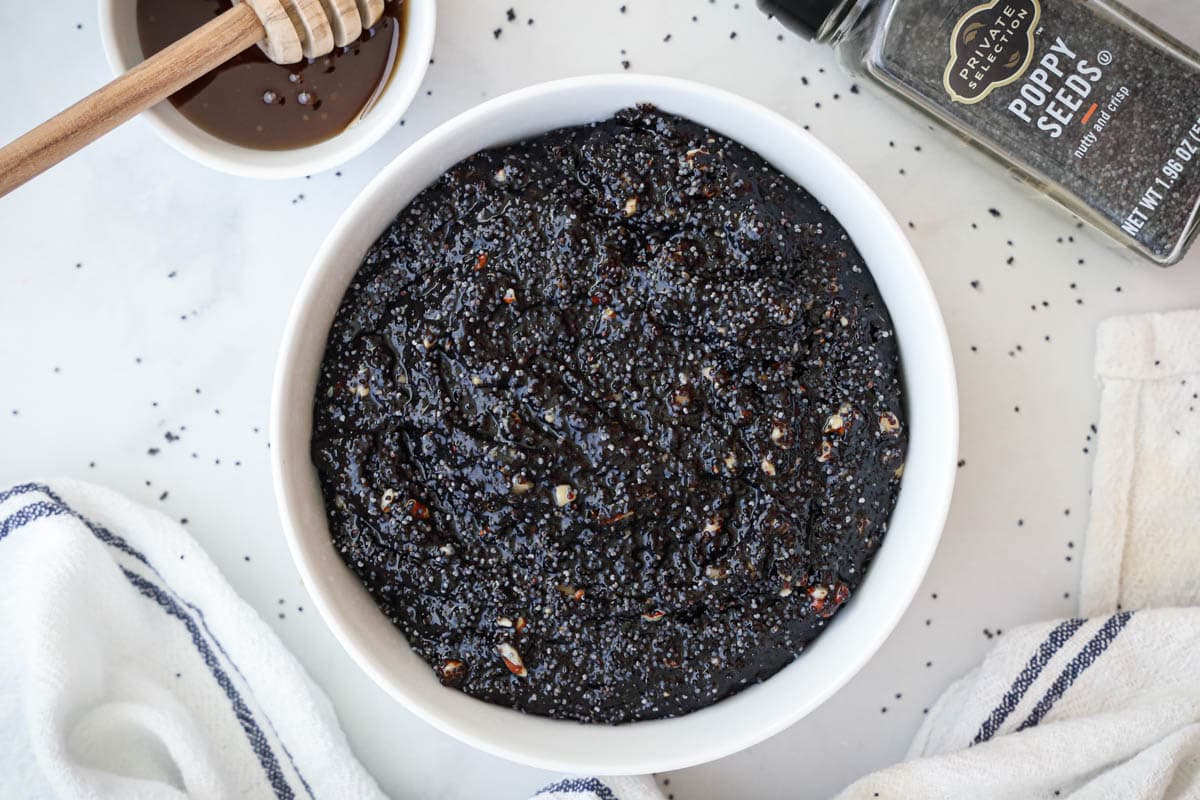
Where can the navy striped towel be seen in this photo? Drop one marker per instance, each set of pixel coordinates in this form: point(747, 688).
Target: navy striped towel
point(129, 669)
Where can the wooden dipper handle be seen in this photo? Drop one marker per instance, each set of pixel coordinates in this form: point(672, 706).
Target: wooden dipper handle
point(150, 82)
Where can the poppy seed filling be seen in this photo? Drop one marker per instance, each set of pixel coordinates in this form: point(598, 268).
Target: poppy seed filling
point(609, 422)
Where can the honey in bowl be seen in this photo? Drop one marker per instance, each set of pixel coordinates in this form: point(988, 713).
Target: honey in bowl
point(253, 102)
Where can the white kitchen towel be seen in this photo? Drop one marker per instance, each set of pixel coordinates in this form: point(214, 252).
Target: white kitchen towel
point(1143, 543)
point(1105, 707)
point(129, 668)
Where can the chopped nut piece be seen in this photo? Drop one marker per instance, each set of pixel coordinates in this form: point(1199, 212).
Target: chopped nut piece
point(521, 484)
point(826, 452)
point(768, 467)
point(888, 422)
point(899, 473)
point(631, 206)
point(476, 380)
point(654, 616)
point(608, 313)
point(362, 390)
point(731, 462)
point(835, 424)
point(786, 591)
point(451, 672)
point(520, 626)
point(563, 494)
point(713, 525)
point(512, 659)
point(715, 572)
point(510, 296)
point(501, 176)
point(818, 593)
point(388, 498)
point(504, 622)
point(781, 434)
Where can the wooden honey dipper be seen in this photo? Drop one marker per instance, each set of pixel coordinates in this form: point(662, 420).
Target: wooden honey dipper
point(286, 30)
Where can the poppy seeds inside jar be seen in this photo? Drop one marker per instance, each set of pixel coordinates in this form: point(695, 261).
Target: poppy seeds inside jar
point(625, 515)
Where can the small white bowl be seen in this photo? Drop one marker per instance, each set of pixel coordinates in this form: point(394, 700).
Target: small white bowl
point(855, 633)
point(118, 30)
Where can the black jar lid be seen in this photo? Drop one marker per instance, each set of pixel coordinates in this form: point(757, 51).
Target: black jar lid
point(805, 17)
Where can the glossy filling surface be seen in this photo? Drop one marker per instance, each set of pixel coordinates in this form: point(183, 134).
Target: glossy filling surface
point(610, 422)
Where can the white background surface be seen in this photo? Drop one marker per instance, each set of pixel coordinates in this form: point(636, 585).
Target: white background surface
point(141, 294)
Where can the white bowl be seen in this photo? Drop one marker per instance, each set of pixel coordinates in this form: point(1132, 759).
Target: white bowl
point(857, 630)
point(118, 30)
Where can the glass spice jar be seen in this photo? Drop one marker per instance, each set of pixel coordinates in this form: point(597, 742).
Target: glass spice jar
point(1083, 99)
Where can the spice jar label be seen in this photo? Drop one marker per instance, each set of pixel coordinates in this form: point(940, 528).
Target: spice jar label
point(992, 45)
point(1096, 108)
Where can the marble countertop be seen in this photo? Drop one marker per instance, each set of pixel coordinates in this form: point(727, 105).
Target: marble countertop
point(143, 294)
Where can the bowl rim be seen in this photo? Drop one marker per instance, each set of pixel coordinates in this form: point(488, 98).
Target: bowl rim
point(577, 756)
point(247, 162)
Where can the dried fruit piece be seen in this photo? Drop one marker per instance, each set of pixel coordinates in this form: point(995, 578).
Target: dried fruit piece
point(888, 422)
point(510, 296)
point(481, 261)
point(826, 452)
point(654, 616)
point(835, 424)
point(512, 659)
point(418, 510)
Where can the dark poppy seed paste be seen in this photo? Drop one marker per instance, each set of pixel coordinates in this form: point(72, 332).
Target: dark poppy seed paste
point(610, 421)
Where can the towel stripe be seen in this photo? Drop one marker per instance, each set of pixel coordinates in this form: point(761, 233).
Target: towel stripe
point(579, 786)
point(28, 514)
point(1012, 698)
point(1077, 666)
point(257, 739)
